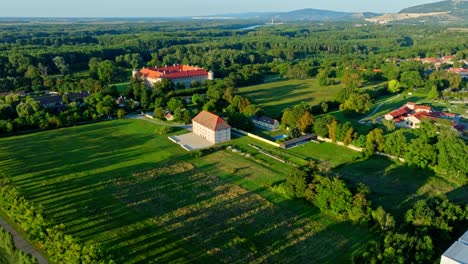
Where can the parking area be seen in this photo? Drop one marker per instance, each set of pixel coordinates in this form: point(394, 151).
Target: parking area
point(191, 141)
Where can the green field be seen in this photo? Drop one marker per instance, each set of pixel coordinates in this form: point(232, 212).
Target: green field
point(148, 201)
point(276, 96)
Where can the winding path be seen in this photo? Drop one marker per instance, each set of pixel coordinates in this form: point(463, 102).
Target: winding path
point(362, 120)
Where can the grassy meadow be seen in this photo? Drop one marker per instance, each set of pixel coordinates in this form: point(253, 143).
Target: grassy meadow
point(274, 97)
point(149, 201)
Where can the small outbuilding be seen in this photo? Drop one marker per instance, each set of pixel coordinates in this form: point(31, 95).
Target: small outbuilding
point(266, 122)
point(298, 141)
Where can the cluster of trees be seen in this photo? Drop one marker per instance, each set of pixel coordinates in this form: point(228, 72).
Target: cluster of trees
point(60, 247)
point(436, 146)
point(24, 113)
point(429, 228)
point(8, 245)
point(318, 185)
point(412, 75)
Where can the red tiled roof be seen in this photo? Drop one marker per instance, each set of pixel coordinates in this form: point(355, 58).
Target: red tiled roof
point(458, 70)
point(173, 72)
point(400, 112)
point(422, 107)
point(211, 121)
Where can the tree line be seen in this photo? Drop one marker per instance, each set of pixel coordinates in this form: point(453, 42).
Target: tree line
point(60, 247)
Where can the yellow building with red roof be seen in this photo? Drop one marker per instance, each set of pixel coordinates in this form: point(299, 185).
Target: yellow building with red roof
point(184, 74)
point(211, 127)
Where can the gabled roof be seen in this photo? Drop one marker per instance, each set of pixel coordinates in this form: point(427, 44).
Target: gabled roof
point(265, 119)
point(423, 107)
point(48, 99)
point(173, 72)
point(400, 112)
point(210, 121)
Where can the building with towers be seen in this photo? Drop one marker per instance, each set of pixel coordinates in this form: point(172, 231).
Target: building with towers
point(178, 74)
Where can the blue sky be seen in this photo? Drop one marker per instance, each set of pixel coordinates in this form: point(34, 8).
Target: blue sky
point(168, 8)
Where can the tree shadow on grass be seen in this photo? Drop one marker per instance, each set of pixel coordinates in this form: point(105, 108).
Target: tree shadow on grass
point(459, 195)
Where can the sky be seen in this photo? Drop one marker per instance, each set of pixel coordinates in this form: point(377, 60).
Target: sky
point(168, 8)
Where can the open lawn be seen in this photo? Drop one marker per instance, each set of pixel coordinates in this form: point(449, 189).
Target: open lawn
point(148, 201)
point(327, 152)
point(121, 87)
point(274, 97)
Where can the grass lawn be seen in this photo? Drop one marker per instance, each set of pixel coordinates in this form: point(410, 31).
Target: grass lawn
point(274, 97)
point(121, 87)
point(328, 152)
point(148, 201)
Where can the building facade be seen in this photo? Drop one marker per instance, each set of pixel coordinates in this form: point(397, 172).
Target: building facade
point(211, 127)
point(266, 122)
point(178, 74)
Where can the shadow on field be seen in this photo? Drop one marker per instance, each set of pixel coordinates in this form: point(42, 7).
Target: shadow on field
point(137, 195)
point(198, 217)
point(392, 185)
point(459, 195)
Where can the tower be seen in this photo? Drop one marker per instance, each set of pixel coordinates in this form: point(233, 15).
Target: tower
point(210, 75)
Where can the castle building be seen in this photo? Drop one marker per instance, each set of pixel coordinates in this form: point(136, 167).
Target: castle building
point(184, 74)
point(211, 127)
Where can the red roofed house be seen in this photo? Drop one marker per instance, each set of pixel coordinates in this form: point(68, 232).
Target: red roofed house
point(211, 127)
point(177, 73)
point(399, 113)
point(463, 73)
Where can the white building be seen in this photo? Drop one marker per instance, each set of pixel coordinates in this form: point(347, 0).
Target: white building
point(266, 122)
point(211, 127)
point(184, 74)
point(457, 253)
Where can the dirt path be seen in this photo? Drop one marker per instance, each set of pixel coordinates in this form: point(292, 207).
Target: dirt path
point(21, 243)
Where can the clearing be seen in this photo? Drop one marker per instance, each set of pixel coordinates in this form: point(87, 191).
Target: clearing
point(276, 96)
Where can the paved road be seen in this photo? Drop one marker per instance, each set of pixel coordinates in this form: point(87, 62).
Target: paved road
point(377, 108)
point(21, 243)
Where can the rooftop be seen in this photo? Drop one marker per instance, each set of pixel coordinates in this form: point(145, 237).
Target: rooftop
point(265, 119)
point(459, 250)
point(211, 121)
point(173, 72)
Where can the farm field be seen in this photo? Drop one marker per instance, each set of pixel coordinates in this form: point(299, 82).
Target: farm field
point(274, 97)
point(147, 200)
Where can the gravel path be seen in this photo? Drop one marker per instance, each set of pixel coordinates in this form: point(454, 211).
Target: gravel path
point(21, 243)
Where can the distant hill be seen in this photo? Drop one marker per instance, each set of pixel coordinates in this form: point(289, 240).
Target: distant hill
point(298, 15)
point(457, 8)
point(439, 12)
point(321, 15)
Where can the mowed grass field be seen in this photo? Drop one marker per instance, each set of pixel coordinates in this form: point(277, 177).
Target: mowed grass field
point(148, 201)
point(274, 97)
